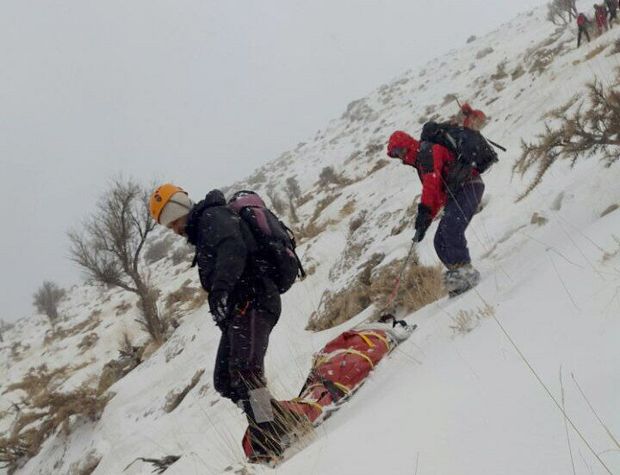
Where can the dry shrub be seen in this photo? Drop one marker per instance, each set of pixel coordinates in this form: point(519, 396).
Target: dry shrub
point(595, 52)
point(592, 129)
point(337, 308)
point(174, 398)
point(182, 295)
point(500, 73)
point(122, 307)
point(538, 219)
point(18, 349)
point(608, 255)
point(378, 166)
point(88, 342)
point(517, 73)
point(466, 320)
point(420, 285)
point(484, 52)
point(87, 465)
point(357, 221)
point(610, 209)
point(38, 380)
point(46, 411)
point(348, 208)
point(321, 205)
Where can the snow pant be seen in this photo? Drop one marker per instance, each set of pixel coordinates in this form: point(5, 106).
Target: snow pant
point(239, 373)
point(450, 241)
point(239, 364)
point(582, 30)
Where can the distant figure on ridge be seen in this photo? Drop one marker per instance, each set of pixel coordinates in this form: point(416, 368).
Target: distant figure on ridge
point(600, 13)
point(246, 259)
point(582, 25)
point(612, 10)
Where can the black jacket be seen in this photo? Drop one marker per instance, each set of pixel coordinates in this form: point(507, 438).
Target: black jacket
point(224, 249)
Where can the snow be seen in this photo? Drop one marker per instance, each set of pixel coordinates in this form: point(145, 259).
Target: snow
point(446, 401)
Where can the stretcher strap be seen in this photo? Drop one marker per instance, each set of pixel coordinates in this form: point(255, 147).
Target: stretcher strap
point(351, 351)
point(314, 404)
point(365, 336)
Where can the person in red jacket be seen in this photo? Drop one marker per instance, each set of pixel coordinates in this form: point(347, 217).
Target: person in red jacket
point(444, 186)
point(472, 118)
point(582, 25)
point(600, 12)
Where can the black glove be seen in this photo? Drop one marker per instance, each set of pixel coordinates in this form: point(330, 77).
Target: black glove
point(218, 305)
point(423, 220)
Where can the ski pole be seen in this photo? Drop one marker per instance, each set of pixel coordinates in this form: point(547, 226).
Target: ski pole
point(397, 283)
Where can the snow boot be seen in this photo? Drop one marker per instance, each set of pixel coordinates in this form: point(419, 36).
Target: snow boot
point(460, 279)
point(270, 439)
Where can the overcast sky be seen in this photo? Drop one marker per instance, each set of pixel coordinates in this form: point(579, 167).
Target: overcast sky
point(198, 92)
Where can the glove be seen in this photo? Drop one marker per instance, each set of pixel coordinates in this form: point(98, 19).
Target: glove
point(423, 220)
point(218, 305)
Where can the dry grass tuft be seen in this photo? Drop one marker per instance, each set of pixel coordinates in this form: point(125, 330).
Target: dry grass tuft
point(337, 308)
point(173, 399)
point(467, 320)
point(45, 411)
point(595, 52)
point(88, 342)
point(420, 285)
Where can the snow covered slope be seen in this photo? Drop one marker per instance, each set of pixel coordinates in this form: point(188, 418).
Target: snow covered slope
point(457, 398)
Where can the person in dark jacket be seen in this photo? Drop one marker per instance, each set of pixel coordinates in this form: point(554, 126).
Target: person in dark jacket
point(612, 11)
point(245, 303)
point(582, 25)
point(443, 188)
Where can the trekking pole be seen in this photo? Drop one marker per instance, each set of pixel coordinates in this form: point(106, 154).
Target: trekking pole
point(394, 294)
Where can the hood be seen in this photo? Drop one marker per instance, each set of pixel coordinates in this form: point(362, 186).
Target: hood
point(214, 198)
point(400, 139)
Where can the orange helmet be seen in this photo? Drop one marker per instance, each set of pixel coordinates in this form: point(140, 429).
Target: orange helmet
point(160, 198)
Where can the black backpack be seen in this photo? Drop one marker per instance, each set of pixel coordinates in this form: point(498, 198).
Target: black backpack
point(276, 257)
point(470, 147)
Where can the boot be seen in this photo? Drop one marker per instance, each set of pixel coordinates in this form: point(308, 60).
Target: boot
point(271, 438)
point(459, 279)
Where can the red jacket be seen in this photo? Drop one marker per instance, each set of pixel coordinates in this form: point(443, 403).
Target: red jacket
point(581, 19)
point(431, 172)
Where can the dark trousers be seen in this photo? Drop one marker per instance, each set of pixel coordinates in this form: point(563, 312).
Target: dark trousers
point(239, 364)
point(450, 241)
point(584, 30)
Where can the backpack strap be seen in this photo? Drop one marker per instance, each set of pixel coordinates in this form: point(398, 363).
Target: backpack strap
point(302, 272)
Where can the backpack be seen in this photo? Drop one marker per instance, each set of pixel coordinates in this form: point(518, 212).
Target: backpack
point(276, 257)
point(470, 147)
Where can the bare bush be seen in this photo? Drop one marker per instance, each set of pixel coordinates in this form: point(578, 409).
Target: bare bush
point(484, 52)
point(467, 320)
point(593, 128)
point(110, 245)
point(561, 12)
point(328, 176)
point(46, 300)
